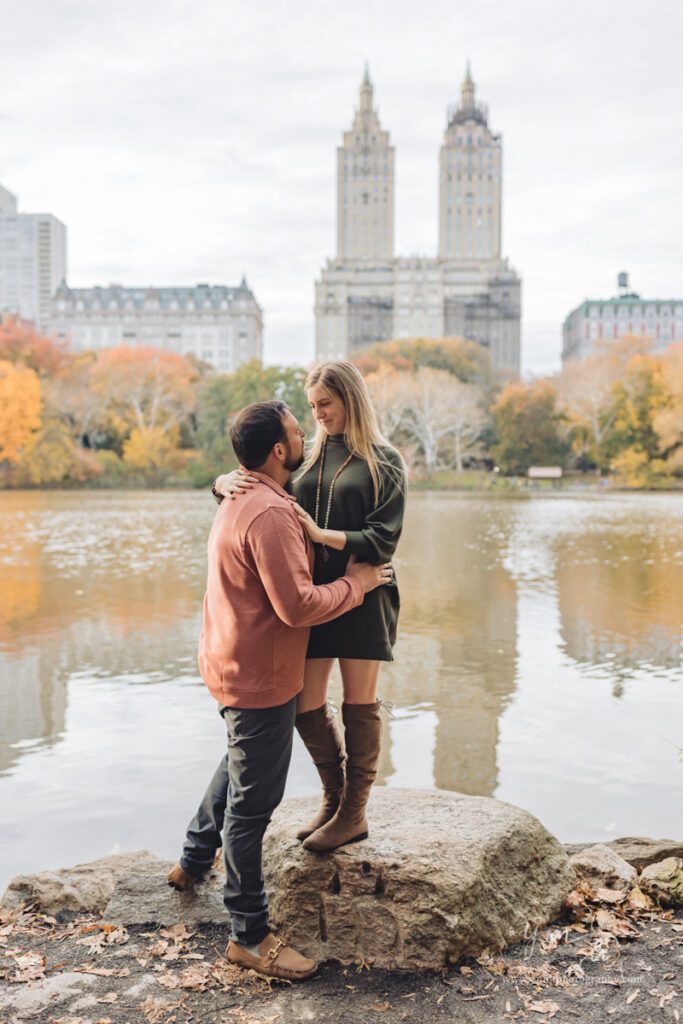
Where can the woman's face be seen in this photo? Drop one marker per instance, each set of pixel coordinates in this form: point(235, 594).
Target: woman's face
point(327, 409)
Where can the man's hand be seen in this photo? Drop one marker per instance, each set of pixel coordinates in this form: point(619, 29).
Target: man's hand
point(371, 576)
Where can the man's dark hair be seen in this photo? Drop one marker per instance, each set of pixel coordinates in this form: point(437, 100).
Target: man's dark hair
point(255, 430)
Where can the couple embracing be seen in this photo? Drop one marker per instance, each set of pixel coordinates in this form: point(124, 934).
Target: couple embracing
point(299, 575)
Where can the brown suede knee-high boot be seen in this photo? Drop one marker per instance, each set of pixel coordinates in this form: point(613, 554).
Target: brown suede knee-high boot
point(363, 731)
point(323, 741)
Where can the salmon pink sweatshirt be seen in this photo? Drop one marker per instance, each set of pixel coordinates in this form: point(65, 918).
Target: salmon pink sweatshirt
point(261, 601)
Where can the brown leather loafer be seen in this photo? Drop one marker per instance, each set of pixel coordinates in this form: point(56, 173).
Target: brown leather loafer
point(275, 959)
point(182, 880)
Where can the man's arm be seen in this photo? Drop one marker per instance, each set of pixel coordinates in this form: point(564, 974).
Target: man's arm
point(277, 545)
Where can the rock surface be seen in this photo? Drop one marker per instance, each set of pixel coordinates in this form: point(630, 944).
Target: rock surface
point(639, 851)
point(664, 881)
point(84, 888)
point(601, 866)
point(442, 875)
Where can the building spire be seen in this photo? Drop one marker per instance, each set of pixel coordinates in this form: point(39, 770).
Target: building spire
point(467, 90)
point(366, 91)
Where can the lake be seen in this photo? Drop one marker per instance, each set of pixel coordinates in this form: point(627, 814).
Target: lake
point(538, 661)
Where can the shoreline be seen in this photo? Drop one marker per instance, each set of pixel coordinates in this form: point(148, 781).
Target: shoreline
point(501, 487)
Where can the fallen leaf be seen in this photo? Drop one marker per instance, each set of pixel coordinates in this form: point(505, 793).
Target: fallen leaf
point(575, 971)
point(29, 967)
point(544, 1006)
point(638, 900)
point(156, 1010)
point(71, 1020)
point(466, 970)
point(632, 996)
point(195, 978)
point(177, 932)
point(666, 998)
point(110, 997)
point(609, 922)
point(102, 972)
point(380, 1007)
point(610, 895)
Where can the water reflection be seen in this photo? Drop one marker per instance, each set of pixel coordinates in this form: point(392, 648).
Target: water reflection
point(101, 585)
point(521, 622)
point(620, 594)
point(457, 651)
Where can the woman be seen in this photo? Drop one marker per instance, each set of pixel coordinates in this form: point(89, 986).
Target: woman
point(351, 492)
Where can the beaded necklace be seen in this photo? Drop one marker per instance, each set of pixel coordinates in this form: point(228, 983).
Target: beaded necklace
point(323, 451)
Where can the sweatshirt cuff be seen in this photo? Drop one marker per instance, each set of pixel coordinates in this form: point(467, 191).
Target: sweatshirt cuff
point(356, 587)
point(356, 544)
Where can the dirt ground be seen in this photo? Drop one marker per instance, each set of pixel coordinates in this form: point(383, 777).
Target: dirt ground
point(597, 963)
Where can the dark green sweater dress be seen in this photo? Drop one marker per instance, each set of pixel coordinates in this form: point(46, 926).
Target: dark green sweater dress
point(373, 530)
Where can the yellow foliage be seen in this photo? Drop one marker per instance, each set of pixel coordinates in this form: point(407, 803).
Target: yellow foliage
point(668, 421)
point(21, 407)
point(151, 448)
point(51, 457)
point(633, 468)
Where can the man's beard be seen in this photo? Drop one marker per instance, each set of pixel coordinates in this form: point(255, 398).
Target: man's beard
point(292, 464)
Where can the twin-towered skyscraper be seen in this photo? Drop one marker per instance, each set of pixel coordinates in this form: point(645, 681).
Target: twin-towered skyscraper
point(367, 294)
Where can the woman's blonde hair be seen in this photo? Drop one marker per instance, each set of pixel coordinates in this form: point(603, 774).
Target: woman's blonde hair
point(362, 432)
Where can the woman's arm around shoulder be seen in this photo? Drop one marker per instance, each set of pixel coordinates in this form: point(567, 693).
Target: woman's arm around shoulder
point(377, 541)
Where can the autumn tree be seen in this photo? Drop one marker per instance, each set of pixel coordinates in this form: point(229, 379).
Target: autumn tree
point(466, 360)
point(20, 409)
point(151, 449)
point(586, 390)
point(668, 417)
point(440, 416)
point(142, 388)
point(20, 343)
point(638, 397)
point(528, 427)
point(223, 395)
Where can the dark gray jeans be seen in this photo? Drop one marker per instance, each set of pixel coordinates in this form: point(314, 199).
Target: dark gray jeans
point(246, 788)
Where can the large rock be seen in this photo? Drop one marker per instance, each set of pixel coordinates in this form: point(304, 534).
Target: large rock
point(638, 851)
point(85, 888)
point(664, 881)
point(601, 866)
point(442, 875)
point(127, 888)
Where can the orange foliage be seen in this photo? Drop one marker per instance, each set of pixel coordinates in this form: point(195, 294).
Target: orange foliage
point(21, 407)
point(19, 343)
point(143, 388)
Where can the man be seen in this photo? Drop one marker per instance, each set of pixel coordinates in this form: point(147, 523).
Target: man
point(260, 602)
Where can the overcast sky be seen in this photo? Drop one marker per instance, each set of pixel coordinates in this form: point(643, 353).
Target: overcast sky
point(195, 141)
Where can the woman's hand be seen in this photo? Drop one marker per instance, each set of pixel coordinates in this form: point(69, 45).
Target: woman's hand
point(316, 534)
point(237, 482)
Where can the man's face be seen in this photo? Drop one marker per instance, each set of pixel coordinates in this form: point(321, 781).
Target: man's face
point(294, 443)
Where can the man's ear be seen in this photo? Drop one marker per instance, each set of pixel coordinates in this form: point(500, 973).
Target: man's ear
point(279, 451)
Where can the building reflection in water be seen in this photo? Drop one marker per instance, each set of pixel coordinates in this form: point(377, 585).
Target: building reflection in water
point(109, 587)
point(456, 656)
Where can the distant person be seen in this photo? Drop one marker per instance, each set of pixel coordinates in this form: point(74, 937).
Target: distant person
point(260, 602)
point(351, 493)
